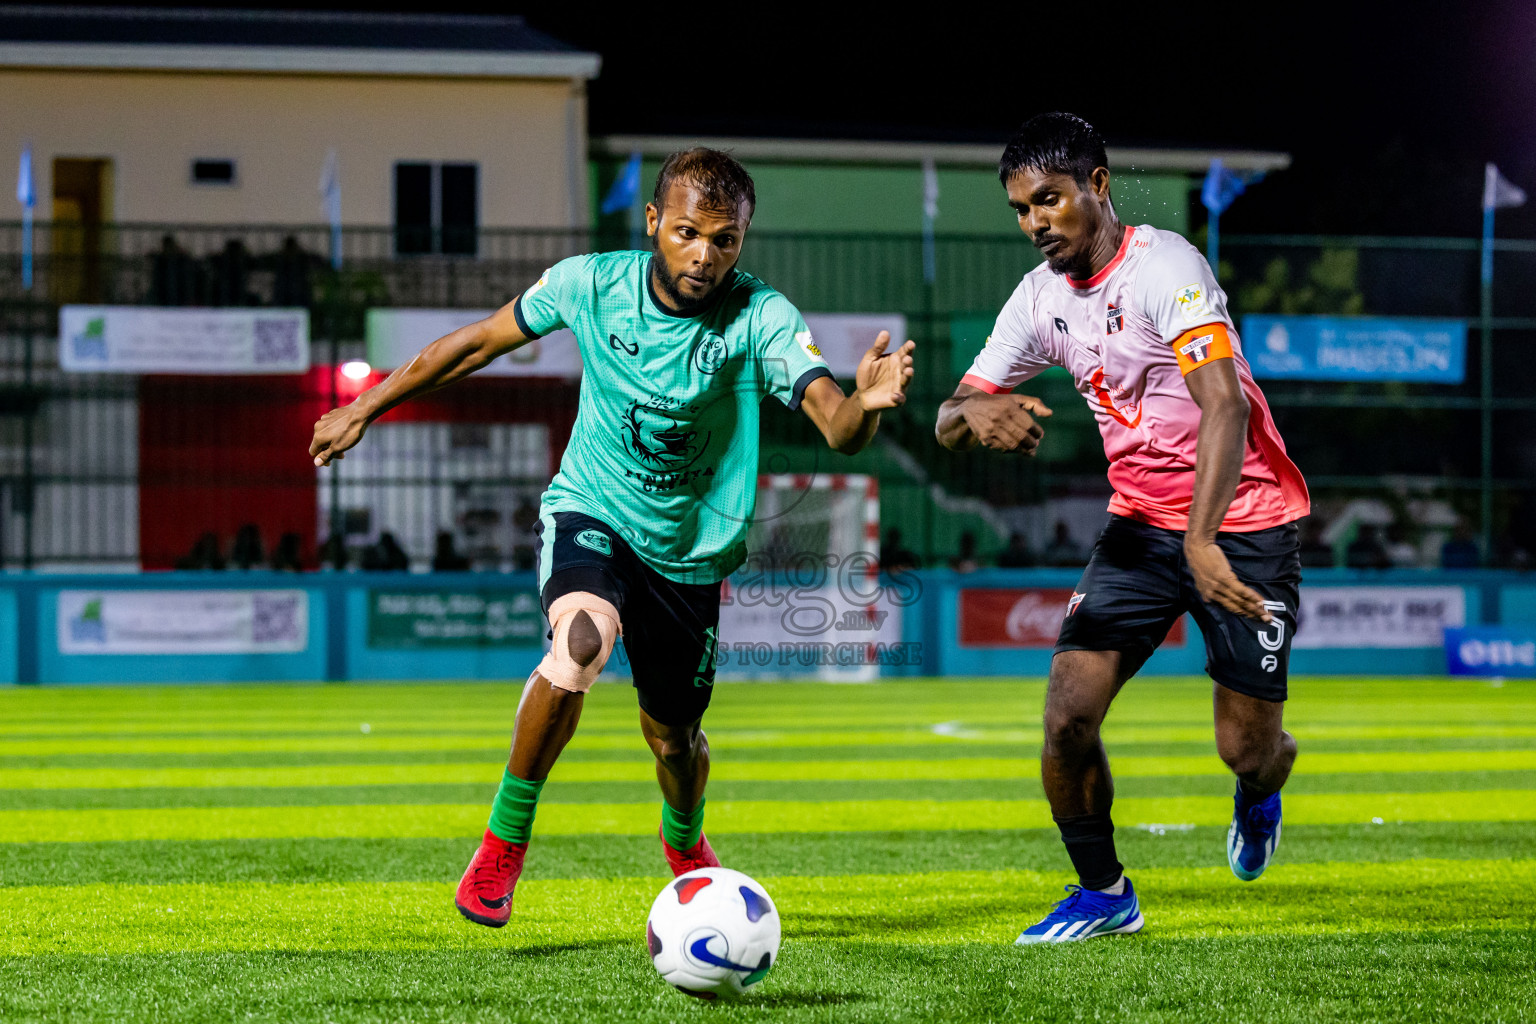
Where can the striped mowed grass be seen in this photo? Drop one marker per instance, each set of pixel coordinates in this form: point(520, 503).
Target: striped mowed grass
point(289, 853)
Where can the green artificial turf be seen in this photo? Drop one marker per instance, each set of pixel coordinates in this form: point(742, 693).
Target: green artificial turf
point(256, 853)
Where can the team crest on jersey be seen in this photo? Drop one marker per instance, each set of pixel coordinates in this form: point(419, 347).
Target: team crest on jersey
point(808, 343)
point(1116, 319)
point(711, 353)
point(1191, 300)
point(1061, 325)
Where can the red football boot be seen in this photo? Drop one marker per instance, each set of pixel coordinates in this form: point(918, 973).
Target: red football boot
point(698, 856)
point(485, 891)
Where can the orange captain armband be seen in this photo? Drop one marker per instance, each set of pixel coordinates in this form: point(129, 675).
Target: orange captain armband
point(1201, 345)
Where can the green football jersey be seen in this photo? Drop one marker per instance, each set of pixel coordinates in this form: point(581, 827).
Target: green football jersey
point(664, 449)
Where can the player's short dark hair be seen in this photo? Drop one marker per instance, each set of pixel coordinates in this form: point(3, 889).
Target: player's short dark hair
point(1055, 143)
point(722, 182)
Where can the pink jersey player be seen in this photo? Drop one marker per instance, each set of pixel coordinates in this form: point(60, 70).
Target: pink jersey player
point(1202, 522)
point(1128, 334)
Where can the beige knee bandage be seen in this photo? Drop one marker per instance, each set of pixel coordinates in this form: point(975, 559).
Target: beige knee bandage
point(558, 666)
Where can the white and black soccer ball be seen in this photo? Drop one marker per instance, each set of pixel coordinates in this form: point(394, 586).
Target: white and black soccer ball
point(713, 933)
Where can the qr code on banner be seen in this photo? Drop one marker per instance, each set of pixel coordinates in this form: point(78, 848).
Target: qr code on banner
point(277, 341)
point(275, 619)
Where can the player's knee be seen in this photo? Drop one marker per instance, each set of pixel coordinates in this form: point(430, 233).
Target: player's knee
point(678, 748)
point(585, 628)
point(1069, 729)
point(583, 640)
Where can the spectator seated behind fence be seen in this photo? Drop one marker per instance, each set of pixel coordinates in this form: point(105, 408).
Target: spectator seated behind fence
point(1315, 553)
point(175, 279)
point(1367, 551)
point(966, 561)
point(894, 557)
point(231, 275)
point(447, 557)
point(1460, 551)
point(292, 266)
point(288, 556)
point(386, 556)
point(333, 553)
point(248, 552)
point(1401, 551)
point(205, 554)
point(1062, 551)
point(1017, 554)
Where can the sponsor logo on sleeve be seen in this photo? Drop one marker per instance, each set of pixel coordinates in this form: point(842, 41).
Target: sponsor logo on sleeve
point(1116, 319)
point(1191, 300)
point(808, 343)
point(540, 283)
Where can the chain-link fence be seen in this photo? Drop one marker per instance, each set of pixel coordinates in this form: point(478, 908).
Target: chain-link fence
point(105, 469)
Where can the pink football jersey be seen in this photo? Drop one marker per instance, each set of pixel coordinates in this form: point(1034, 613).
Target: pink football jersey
point(1128, 335)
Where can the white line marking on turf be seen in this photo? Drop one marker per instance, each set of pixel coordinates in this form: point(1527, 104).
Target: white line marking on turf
point(955, 730)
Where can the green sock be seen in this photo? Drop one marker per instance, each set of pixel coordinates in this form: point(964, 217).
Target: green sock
point(681, 831)
point(512, 814)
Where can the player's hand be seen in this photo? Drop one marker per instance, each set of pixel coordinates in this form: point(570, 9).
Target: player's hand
point(1006, 423)
point(883, 377)
point(335, 432)
point(1218, 584)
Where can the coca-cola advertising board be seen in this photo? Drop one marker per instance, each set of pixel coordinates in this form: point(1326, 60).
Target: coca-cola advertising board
point(1022, 618)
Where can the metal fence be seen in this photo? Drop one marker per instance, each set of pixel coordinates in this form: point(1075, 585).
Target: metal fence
point(71, 444)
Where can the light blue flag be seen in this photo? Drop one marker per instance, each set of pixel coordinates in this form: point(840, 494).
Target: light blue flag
point(24, 193)
point(626, 187)
point(27, 197)
point(330, 197)
point(1221, 187)
point(1498, 193)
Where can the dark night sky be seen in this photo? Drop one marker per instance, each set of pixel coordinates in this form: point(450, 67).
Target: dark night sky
point(1389, 109)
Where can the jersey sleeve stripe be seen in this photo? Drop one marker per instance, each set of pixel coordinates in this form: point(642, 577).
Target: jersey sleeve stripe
point(982, 384)
point(1200, 345)
point(522, 324)
point(804, 382)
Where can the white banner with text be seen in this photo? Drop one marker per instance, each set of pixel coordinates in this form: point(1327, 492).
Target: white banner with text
point(183, 621)
point(1397, 617)
point(155, 339)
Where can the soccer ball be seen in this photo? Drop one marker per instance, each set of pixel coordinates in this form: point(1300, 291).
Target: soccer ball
point(713, 933)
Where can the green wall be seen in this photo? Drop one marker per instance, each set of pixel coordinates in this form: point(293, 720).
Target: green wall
point(858, 199)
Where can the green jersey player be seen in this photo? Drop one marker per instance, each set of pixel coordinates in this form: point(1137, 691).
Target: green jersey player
point(649, 510)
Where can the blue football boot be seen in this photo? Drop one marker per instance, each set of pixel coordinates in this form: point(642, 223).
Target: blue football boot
point(1084, 914)
point(1254, 835)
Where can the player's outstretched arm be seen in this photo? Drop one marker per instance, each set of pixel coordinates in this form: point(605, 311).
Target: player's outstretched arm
point(849, 422)
point(449, 358)
point(1218, 466)
point(1003, 423)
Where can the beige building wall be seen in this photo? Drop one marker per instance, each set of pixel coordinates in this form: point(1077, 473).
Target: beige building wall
point(527, 135)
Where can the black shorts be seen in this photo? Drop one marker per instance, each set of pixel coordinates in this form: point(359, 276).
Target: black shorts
point(1137, 584)
point(670, 629)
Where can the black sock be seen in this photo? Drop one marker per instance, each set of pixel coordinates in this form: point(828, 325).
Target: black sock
point(1246, 797)
point(1090, 840)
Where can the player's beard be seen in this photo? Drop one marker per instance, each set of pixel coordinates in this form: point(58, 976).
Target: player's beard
point(1061, 263)
point(682, 304)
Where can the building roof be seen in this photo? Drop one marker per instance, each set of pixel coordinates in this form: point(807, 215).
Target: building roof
point(944, 154)
point(323, 42)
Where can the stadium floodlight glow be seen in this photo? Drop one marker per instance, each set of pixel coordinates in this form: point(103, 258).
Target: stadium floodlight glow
point(355, 369)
